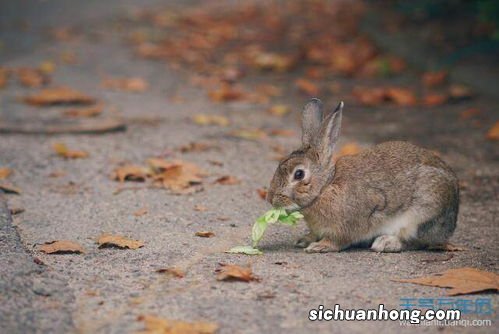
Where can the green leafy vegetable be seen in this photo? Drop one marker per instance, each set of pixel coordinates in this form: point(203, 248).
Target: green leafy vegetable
point(270, 217)
point(245, 250)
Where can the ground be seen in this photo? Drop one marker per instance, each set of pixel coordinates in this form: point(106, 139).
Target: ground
point(105, 290)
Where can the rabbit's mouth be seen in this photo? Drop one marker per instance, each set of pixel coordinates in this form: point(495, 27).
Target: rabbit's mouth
point(292, 208)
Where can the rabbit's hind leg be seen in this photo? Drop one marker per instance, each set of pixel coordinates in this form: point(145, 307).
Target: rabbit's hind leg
point(388, 244)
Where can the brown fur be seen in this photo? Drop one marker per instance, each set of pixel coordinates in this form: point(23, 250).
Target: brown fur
point(402, 195)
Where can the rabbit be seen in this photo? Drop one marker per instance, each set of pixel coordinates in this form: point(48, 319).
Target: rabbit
point(394, 196)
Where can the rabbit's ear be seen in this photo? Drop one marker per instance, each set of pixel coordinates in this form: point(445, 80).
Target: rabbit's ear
point(311, 121)
point(329, 133)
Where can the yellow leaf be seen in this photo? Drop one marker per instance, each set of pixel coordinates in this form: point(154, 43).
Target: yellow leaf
point(63, 151)
point(5, 172)
point(61, 247)
point(58, 95)
point(203, 119)
point(279, 110)
point(493, 133)
point(108, 240)
point(156, 325)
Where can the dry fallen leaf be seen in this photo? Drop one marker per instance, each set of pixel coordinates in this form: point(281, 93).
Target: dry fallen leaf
point(200, 208)
point(469, 113)
point(279, 110)
point(262, 193)
point(203, 119)
point(47, 67)
point(156, 325)
point(493, 133)
point(140, 212)
point(204, 234)
point(369, 96)
point(226, 92)
point(180, 177)
point(401, 96)
point(307, 87)
point(460, 92)
point(58, 95)
point(227, 272)
point(431, 79)
point(461, 281)
point(108, 240)
point(282, 132)
point(434, 99)
point(9, 189)
point(91, 111)
point(61, 247)
point(4, 76)
point(176, 272)
point(136, 85)
point(196, 147)
point(227, 180)
point(30, 77)
point(63, 151)
point(5, 172)
point(131, 173)
point(272, 61)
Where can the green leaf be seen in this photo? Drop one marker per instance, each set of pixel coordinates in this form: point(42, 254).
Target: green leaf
point(270, 217)
point(257, 232)
point(248, 250)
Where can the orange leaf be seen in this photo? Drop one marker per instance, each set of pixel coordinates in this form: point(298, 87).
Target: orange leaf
point(461, 281)
point(369, 96)
point(201, 208)
point(227, 272)
point(140, 212)
point(401, 96)
point(431, 100)
point(176, 272)
point(108, 240)
point(225, 93)
point(5, 172)
point(493, 133)
point(63, 151)
point(131, 173)
point(262, 193)
point(156, 325)
point(431, 79)
point(179, 177)
point(204, 234)
point(227, 180)
point(30, 77)
point(307, 87)
point(134, 84)
point(469, 113)
point(58, 95)
point(279, 110)
point(61, 247)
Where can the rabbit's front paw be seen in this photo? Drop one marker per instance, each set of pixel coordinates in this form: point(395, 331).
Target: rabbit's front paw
point(322, 246)
point(387, 244)
point(306, 240)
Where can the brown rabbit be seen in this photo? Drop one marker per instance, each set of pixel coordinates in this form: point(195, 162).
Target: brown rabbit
point(395, 196)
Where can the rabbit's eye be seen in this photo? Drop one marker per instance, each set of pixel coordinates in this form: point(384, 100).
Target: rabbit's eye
point(299, 174)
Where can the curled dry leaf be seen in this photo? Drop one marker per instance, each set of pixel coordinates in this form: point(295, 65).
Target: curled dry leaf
point(203, 119)
point(131, 173)
point(91, 111)
point(63, 151)
point(307, 87)
point(179, 177)
point(140, 212)
point(228, 272)
point(460, 92)
point(134, 84)
point(156, 325)
point(226, 92)
point(469, 113)
point(461, 281)
point(31, 77)
point(9, 189)
point(204, 234)
point(5, 172)
point(431, 79)
point(227, 180)
point(108, 240)
point(262, 193)
point(58, 95)
point(272, 61)
point(401, 96)
point(279, 110)
point(434, 99)
point(369, 96)
point(493, 133)
point(200, 208)
point(61, 247)
point(175, 272)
